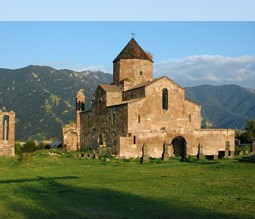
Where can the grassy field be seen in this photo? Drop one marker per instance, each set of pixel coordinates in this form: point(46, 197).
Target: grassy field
point(44, 186)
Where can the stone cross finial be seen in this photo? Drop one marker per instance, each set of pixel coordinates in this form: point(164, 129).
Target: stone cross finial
point(133, 34)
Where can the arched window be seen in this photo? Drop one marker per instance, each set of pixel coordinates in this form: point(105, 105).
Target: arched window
point(6, 127)
point(134, 140)
point(165, 99)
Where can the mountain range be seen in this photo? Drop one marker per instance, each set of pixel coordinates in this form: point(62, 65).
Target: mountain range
point(43, 99)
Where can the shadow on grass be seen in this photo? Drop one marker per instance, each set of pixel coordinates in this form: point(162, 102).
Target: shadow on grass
point(39, 178)
point(203, 162)
point(247, 160)
point(53, 198)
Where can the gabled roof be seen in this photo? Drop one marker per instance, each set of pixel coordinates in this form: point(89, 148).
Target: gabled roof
point(144, 84)
point(132, 51)
point(110, 88)
point(147, 83)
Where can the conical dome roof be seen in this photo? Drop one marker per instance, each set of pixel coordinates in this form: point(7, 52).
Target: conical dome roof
point(132, 51)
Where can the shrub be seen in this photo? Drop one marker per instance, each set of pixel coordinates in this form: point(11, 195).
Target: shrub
point(18, 148)
point(88, 149)
point(105, 153)
point(29, 146)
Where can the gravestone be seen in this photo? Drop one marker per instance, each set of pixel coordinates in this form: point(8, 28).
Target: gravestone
point(145, 157)
point(227, 149)
point(200, 154)
point(253, 146)
point(165, 155)
point(95, 155)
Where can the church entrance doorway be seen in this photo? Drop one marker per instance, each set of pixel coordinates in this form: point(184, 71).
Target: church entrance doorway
point(179, 147)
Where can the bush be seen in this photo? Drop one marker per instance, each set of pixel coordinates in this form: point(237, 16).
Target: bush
point(88, 149)
point(105, 153)
point(245, 148)
point(29, 146)
point(18, 148)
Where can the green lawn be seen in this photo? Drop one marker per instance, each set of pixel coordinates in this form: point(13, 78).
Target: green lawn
point(65, 187)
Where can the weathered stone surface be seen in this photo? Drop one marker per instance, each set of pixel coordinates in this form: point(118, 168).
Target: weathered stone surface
point(138, 109)
point(200, 154)
point(7, 133)
point(145, 155)
point(165, 155)
point(253, 146)
point(71, 132)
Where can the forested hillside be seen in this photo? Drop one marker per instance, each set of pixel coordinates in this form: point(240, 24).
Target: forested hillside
point(43, 98)
point(228, 106)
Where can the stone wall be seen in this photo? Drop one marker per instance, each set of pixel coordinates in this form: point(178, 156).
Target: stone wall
point(113, 98)
point(70, 137)
point(137, 70)
point(212, 141)
point(133, 94)
point(7, 133)
point(104, 129)
point(148, 114)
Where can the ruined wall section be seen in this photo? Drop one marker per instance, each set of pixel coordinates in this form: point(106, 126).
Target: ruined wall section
point(70, 137)
point(7, 133)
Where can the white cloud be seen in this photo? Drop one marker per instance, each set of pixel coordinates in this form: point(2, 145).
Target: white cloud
point(209, 69)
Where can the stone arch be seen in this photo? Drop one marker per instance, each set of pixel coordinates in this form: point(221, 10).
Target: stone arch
point(6, 127)
point(180, 147)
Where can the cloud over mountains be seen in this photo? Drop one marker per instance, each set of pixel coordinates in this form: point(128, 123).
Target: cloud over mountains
point(209, 69)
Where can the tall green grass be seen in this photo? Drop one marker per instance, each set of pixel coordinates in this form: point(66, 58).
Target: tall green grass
point(42, 185)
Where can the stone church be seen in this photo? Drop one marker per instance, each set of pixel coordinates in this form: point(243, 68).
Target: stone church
point(7, 133)
point(137, 109)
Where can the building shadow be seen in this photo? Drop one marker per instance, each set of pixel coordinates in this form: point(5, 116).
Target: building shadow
point(52, 197)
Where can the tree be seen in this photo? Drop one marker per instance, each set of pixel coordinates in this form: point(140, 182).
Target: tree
point(249, 133)
point(250, 127)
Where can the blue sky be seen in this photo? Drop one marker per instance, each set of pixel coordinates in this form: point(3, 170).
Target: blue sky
point(131, 10)
point(191, 53)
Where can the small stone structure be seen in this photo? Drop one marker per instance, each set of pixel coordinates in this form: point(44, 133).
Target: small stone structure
point(165, 155)
point(200, 154)
point(145, 156)
point(71, 132)
point(253, 146)
point(7, 133)
point(137, 109)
